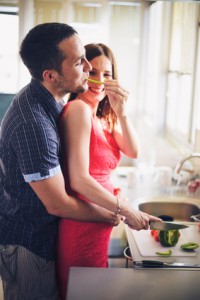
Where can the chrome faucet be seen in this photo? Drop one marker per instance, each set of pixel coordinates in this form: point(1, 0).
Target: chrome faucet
point(181, 162)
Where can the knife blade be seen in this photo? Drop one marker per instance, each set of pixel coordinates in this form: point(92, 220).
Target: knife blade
point(161, 264)
point(166, 225)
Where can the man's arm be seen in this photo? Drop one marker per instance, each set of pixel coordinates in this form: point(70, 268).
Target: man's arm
point(53, 195)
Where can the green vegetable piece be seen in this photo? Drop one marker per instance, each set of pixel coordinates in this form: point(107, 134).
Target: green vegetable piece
point(169, 238)
point(95, 81)
point(165, 253)
point(189, 246)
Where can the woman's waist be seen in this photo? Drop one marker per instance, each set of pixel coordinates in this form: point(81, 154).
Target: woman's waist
point(101, 177)
point(104, 181)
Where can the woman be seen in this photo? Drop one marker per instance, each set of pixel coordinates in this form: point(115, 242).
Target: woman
point(94, 130)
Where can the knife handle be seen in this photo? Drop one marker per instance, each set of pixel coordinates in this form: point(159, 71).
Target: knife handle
point(152, 263)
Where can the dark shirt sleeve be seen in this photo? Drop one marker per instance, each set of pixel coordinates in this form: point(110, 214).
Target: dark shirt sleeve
point(37, 148)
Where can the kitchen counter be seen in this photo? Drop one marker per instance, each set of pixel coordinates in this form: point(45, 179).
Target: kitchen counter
point(129, 284)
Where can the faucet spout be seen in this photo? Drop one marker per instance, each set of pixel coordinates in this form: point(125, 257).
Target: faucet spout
point(181, 162)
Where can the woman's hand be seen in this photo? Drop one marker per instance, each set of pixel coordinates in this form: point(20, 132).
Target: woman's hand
point(117, 96)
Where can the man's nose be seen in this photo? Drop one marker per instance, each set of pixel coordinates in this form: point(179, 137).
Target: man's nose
point(87, 66)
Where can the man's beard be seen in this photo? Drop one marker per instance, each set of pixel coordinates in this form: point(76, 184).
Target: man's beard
point(80, 89)
point(65, 90)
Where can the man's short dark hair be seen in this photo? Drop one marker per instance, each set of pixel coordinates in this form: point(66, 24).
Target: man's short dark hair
point(39, 49)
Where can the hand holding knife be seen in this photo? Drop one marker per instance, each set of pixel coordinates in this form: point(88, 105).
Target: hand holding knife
point(162, 225)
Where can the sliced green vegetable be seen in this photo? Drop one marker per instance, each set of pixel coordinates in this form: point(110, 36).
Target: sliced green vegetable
point(169, 238)
point(165, 253)
point(95, 81)
point(189, 246)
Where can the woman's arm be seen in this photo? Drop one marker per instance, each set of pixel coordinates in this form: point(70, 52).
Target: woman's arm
point(76, 130)
point(124, 133)
point(127, 138)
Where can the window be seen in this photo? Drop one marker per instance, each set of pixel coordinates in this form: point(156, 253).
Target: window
point(87, 12)
point(181, 72)
point(117, 24)
point(196, 106)
point(9, 53)
point(171, 60)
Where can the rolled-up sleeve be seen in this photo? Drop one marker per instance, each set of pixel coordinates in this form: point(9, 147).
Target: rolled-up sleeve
point(38, 153)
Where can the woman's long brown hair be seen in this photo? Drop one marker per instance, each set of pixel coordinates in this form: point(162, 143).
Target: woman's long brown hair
point(104, 109)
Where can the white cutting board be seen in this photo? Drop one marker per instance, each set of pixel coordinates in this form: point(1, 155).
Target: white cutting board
point(147, 245)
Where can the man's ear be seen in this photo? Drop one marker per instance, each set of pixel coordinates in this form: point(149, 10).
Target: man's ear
point(49, 75)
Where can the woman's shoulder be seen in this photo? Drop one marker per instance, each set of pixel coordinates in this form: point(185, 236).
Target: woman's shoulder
point(78, 104)
point(76, 108)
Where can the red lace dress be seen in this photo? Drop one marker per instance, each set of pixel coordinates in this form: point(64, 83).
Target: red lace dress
point(85, 244)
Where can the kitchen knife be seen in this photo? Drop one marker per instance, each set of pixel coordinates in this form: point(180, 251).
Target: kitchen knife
point(160, 264)
point(166, 225)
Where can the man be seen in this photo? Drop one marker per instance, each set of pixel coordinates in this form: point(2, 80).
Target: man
point(32, 189)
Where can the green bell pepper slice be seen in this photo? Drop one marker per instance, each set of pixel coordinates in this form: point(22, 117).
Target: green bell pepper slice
point(189, 246)
point(165, 253)
point(169, 238)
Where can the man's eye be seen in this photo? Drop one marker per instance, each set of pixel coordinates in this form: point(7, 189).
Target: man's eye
point(79, 62)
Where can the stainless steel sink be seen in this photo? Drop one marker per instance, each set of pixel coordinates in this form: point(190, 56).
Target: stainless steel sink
point(175, 208)
point(177, 211)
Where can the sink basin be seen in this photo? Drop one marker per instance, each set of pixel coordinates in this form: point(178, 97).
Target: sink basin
point(170, 209)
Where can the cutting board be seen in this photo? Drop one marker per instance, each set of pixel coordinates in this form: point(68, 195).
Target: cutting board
point(147, 246)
